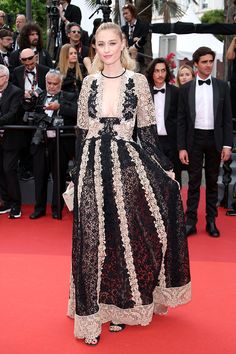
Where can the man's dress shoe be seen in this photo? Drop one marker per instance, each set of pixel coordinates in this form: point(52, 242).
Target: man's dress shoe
point(37, 214)
point(190, 230)
point(212, 229)
point(55, 215)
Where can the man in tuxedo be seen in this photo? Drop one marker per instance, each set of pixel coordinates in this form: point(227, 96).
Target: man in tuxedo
point(29, 77)
point(165, 97)
point(135, 32)
point(68, 13)
point(6, 41)
point(58, 107)
point(10, 101)
point(204, 134)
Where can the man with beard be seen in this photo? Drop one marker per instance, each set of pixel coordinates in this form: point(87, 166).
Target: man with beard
point(5, 46)
point(20, 23)
point(31, 37)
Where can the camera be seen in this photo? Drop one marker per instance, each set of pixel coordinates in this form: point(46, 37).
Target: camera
point(104, 2)
point(42, 120)
point(104, 6)
point(52, 10)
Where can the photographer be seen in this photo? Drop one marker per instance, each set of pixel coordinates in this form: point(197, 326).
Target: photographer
point(135, 32)
point(68, 13)
point(29, 77)
point(10, 101)
point(52, 107)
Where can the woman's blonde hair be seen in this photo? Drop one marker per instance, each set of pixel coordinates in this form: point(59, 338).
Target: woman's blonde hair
point(63, 64)
point(126, 61)
point(184, 66)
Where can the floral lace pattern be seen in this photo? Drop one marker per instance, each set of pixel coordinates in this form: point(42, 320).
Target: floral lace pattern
point(129, 251)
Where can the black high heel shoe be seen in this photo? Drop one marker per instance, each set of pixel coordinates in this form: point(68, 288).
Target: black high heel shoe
point(116, 327)
point(92, 341)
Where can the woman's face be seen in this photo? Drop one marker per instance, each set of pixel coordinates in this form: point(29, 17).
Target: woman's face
point(72, 56)
point(109, 46)
point(185, 75)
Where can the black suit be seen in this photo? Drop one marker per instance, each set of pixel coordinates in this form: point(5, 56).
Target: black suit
point(169, 143)
point(10, 102)
point(18, 79)
point(141, 30)
point(43, 164)
point(202, 144)
point(72, 14)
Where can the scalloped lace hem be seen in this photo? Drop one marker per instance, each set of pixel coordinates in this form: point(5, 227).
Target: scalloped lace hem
point(90, 326)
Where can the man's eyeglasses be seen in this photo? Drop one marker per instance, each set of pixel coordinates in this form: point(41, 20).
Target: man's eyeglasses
point(75, 31)
point(2, 16)
point(28, 58)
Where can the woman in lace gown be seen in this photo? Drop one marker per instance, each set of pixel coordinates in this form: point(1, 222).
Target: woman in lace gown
point(129, 256)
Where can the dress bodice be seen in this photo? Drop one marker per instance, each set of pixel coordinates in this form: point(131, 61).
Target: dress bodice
point(133, 100)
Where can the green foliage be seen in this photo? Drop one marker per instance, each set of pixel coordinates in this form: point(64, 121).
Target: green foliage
point(14, 7)
point(214, 16)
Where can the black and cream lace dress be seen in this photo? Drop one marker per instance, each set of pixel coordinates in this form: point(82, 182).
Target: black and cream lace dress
point(129, 252)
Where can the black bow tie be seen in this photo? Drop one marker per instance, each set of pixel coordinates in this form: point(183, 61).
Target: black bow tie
point(156, 91)
point(30, 72)
point(4, 55)
point(201, 82)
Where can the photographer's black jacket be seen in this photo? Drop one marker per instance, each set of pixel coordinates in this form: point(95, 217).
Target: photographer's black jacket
point(68, 106)
point(10, 103)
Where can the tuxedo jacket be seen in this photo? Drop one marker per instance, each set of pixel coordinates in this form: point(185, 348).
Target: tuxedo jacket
point(10, 103)
point(18, 76)
point(68, 106)
point(170, 112)
point(223, 132)
point(141, 30)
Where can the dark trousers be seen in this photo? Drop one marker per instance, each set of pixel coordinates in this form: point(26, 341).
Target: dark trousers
point(9, 182)
point(203, 151)
point(41, 173)
point(44, 162)
point(172, 154)
point(66, 153)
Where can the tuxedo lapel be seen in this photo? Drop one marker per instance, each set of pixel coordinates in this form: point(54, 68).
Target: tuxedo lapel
point(216, 95)
point(192, 99)
point(167, 101)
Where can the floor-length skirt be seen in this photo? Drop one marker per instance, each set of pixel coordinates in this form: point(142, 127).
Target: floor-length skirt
point(129, 252)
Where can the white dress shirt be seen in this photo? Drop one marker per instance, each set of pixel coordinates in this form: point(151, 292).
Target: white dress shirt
point(159, 101)
point(29, 80)
point(204, 105)
point(49, 112)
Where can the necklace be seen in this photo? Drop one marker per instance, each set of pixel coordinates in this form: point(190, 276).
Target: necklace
point(113, 77)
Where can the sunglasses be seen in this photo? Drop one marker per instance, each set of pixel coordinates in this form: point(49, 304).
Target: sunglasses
point(74, 31)
point(28, 58)
point(54, 71)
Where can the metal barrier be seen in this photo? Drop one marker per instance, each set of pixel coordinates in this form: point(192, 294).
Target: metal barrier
point(58, 135)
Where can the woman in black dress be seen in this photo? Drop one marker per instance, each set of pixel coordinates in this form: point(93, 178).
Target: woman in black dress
point(129, 252)
point(70, 69)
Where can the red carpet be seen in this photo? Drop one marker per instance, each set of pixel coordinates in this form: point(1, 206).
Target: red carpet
point(34, 277)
